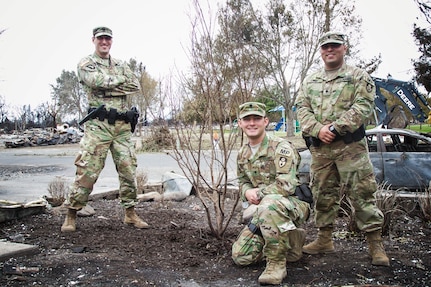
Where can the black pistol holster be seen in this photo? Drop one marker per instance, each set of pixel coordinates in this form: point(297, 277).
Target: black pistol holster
point(303, 192)
point(112, 116)
point(349, 137)
point(92, 114)
point(311, 141)
point(254, 228)
point(133, 116)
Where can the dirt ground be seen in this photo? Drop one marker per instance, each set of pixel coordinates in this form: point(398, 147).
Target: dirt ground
point(179, 251)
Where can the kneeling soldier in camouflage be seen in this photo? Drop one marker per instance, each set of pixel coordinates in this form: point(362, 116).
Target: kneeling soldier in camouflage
point(267, 173)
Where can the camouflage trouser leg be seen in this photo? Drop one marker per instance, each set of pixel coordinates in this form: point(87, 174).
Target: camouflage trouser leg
point(89, 163)
point(275, 216)
point(123, 154)
point(347, 169)
point(247, 249)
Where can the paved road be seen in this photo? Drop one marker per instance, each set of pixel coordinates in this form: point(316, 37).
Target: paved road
point(34, 168)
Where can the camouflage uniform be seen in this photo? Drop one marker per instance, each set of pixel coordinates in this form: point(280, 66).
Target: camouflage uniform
point(273, 169)
point(345, 99)
point(110, 82)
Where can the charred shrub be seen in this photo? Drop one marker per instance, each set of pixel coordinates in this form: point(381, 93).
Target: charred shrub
point(160, 138)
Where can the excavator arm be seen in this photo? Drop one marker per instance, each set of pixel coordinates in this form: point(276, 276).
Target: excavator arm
point(409, 96)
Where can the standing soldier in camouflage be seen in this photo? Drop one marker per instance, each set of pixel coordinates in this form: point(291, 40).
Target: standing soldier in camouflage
point(333, 106)
point(108, 83)
point(267, 173)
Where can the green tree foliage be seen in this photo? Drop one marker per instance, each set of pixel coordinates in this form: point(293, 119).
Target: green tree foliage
point(235, 52)
point(68, 96)
point(423, 41)
point(423, 64)
point(148, 96)
point(3, 111)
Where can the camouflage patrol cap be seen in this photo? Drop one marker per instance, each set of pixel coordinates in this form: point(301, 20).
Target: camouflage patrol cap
point(102, 31)
point(252, 108)
point(332, 37)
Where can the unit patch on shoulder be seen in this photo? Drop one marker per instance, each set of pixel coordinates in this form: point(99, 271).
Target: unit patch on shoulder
point(284, 159)
point(90, 67)
point(285, 151)
point(282, 162)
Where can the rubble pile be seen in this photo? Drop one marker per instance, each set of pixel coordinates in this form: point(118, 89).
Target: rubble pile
point(63, 134)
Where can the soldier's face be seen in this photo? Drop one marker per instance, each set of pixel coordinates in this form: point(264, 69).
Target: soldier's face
point(333, 55)
point(103, 45)
point(253, 126)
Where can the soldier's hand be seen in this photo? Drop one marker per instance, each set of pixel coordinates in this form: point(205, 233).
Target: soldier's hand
point(252, 196)
point(325, 135)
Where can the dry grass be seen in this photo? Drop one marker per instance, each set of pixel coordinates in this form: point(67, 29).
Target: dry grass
point(58, 190)
point(387, 201)
point(141, 180)
point(425, 205)
point(347, 209)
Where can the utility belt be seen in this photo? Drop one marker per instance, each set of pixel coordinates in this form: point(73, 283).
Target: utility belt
point(347, 138)
point(112, 115)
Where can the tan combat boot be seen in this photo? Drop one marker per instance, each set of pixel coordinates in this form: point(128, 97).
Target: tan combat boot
point(296, 241)
point(132, 218)
point(376, 250)
point(274, 273)
point(69, 224)
point(323, 243)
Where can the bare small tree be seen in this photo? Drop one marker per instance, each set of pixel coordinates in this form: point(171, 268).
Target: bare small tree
point(208, 102)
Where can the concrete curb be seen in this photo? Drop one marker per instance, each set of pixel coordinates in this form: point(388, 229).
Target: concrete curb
point(11, 249)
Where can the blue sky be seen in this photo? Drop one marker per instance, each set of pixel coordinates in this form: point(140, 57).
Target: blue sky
point(47, 36)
